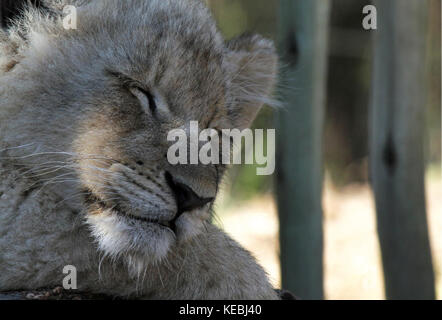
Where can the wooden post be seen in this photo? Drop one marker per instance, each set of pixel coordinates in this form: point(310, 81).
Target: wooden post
point(304, 28)
point(397, 164)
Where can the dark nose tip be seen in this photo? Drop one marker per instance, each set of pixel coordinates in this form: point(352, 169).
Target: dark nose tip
point(186, 198)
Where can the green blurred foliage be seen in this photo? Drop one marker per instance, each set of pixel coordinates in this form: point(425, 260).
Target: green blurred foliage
point(245, 183)
point(235, 17)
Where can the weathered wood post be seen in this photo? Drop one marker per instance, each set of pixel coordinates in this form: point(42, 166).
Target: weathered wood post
point(303, 47)
point(397, 164)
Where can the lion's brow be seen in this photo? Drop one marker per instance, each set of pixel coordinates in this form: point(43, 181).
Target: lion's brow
point(125, 80)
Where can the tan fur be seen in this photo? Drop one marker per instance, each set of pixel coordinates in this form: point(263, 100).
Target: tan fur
point(81, 154)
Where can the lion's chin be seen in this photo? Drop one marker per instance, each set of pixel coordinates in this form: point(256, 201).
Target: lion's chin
point(121, 236)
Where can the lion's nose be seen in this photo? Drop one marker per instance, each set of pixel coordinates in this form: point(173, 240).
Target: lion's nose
point(186, 198)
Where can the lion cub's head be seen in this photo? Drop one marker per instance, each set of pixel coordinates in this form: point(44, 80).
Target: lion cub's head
point(98, 102)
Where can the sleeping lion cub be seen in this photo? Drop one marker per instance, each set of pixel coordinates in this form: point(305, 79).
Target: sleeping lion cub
point(84, 178)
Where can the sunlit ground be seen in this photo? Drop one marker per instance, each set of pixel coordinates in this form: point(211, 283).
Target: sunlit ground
point(352, 258)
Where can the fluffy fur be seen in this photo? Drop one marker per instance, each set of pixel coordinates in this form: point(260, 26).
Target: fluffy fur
point(82, 150)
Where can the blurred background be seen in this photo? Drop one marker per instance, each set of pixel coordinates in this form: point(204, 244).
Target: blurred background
point(350, 259)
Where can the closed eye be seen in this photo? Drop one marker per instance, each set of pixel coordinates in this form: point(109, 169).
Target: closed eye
point(147, 100)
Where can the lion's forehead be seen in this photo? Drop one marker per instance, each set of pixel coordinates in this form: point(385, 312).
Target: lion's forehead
point(174, 46)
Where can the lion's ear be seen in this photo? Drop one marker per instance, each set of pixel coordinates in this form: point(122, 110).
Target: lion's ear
point(253, 62)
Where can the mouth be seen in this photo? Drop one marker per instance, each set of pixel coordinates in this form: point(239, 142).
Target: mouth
point(94, 201)
point(164, 224)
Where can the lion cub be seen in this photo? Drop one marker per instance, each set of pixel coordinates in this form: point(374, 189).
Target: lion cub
point(84, 178)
